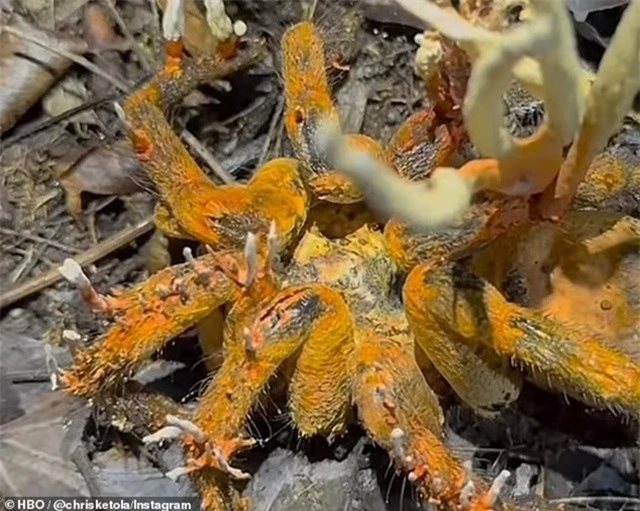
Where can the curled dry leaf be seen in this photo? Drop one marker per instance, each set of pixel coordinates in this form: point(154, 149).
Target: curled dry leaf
point(105, 170)
point(27, 70)
point(197, 34)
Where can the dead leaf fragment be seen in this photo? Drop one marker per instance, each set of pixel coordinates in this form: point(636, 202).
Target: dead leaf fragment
point(27, 70)
point(34, 448)
point(66, 95)
point(106, 170)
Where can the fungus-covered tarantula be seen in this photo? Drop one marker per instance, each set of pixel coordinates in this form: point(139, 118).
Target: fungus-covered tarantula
point(324, 313)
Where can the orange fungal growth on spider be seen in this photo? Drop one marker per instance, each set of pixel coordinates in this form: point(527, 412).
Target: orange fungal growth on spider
point(459, 287)
point(308, 97)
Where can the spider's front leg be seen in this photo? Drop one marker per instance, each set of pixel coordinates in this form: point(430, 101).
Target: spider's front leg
point(146, 317)
point(401, 413)
point(311, 320)
point(193, 206)
point(310, 112)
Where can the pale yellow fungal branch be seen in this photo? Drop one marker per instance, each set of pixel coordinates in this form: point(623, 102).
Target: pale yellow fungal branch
point(219, 22)
point(477, 25)
point(425, 206)
point(500, 56)
point(429, 55)
point(549, 37)
point(543, 51)
point(609, 100)
point(471, 38)
point(173, 20)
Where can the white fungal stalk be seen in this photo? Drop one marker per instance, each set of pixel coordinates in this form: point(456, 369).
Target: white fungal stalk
point(74, 274)
point(425, 206)
point(173, 20)
point(251, 258)
point(219, 22)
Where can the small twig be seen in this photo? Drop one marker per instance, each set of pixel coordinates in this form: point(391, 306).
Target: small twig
point(40, 239)
point(254, 105)
point(81, 460)
point(279, 136)
point(89, 256)
point(78, 59)
point(312, 10)
point(25, 377)
point(35, 260)
point(595, 498)
point(42, 124)
point(26, 261)
point(157, 36)
point(273, 126)
point(206, 155)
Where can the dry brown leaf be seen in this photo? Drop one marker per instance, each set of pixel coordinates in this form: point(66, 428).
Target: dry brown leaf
point(27, 70)
point(66, 95)
point(98, 27)
point(105, 170)
point(197, 39)
point(35, 447)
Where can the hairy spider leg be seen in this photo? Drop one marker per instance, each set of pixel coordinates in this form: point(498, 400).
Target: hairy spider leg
point(320, 390)
point(193, 206)
point(255, 347)
point(310, 111)
point(571, 360)
point(401, 414)
point(447, 329)
point(147, 316)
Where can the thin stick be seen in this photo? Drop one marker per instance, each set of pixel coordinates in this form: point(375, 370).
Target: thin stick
point(595, 498)
point(312, 10)
point(206, 155)
point(157, 37)
point(41, 124)
point(78, 59)
point(273, 126)
point(81, 460)
point(40, 239)
point(89, 256)
point(24, 377)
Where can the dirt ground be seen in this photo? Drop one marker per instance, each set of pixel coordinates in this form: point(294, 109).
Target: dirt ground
point(555, 450)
